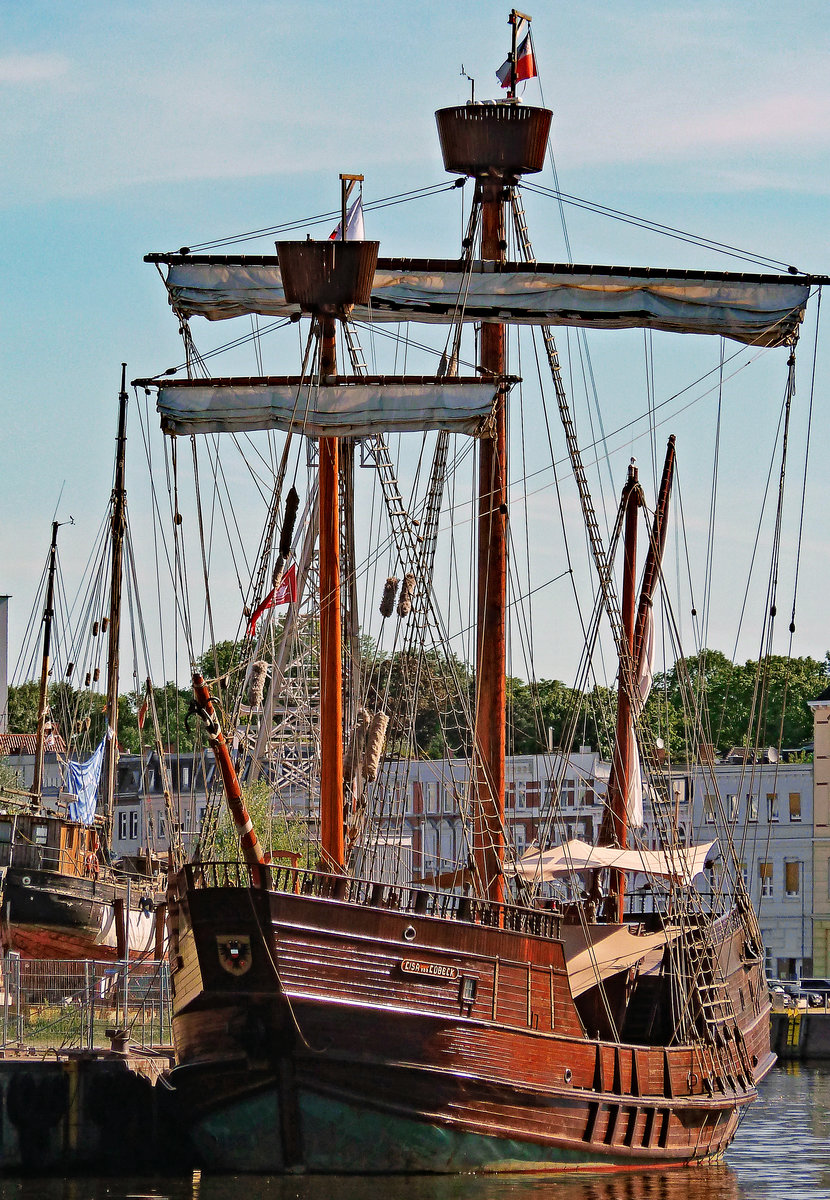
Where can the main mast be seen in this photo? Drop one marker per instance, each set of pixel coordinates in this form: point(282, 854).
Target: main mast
point(493, 143)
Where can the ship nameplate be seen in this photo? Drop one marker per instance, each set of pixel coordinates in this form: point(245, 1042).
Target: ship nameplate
point(438, 971)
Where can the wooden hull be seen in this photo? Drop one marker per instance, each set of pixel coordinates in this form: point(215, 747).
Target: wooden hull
point(52, 915)
point(322, 1035)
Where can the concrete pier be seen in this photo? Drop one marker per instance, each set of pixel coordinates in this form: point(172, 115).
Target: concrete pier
point(800, 1032)
point(81, 1110)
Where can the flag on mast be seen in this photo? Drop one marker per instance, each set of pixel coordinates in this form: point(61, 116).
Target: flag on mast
point(354, 224)
point(284, 593)
point(525, 61)
point(82, 781)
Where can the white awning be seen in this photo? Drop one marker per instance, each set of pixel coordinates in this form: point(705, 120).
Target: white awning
point(680, 862)
point(344, 409)
point(760, 309)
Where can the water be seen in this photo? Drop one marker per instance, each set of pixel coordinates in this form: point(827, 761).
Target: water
point(782, 1152)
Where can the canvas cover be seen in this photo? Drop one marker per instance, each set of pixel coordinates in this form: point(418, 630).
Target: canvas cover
point(681, 862)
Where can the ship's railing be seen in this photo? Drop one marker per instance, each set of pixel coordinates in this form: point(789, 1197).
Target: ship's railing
point(55, 1004)
point(373, 894)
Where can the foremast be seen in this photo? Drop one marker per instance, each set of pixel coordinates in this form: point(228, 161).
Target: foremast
point(326, 279)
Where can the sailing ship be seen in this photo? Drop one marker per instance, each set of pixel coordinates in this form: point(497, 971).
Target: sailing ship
point(330, 1019)
point(62, 896)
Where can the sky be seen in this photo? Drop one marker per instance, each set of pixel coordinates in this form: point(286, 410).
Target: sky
point(128, 128)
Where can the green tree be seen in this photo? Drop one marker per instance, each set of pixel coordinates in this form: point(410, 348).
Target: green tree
point(9, 777)
point(740, 704)
point(274, 830)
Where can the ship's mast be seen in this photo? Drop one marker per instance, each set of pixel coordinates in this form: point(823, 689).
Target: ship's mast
point(331, 654)
point(635, 618)
point(117, 527)
point(326, 279)
point(494, 144)
point(615, 825)
point(42, 705)
point(491, 623)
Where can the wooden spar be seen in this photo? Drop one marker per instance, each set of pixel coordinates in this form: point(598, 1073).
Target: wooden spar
point(614, 830)
point(42, 704)
point(331, 659)
point(513, 20)
point(491, 726)
point(118, 520)
point(654, 557)
point(251, 849)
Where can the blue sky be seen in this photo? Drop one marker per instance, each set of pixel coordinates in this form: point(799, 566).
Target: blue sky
point(126, 128)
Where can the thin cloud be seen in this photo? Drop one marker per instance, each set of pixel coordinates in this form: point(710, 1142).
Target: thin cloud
point(23, 70)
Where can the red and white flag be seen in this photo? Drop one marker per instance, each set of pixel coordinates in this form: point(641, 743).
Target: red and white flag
point(145, 705)
point(525, 62)
point(285, 593)
point(354, 224)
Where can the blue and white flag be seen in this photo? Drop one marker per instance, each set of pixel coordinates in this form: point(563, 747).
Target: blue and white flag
point(83, 780)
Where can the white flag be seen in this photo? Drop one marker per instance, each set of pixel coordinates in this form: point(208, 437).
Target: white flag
point(354, 224)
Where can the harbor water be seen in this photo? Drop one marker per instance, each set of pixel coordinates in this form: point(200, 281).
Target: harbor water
point(782, 1152)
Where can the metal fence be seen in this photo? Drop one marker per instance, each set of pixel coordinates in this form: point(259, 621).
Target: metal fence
point(70, 1003)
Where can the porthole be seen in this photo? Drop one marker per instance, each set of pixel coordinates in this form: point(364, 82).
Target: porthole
point(568, 1075)
point(26, 880)
point(409, 933)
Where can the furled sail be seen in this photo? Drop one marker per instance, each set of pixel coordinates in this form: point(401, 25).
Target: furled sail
point(758, 309)
point(679, 862)
point(353, 406)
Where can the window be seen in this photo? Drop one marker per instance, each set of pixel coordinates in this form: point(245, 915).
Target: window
point(41, 835)
point(709, 808)
point(5, 832)
point(122, 826)
point(521, 798)
point(732, 805)
point(792, 878)
point(795, 806)
point(769, 961)
point(431, 793)
point(133, 823)
point(765, 875)
point(184, 775)
point(751, 807)
point(520, 838)
point(772, 806)
point(744, 874)
point(568, 796)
